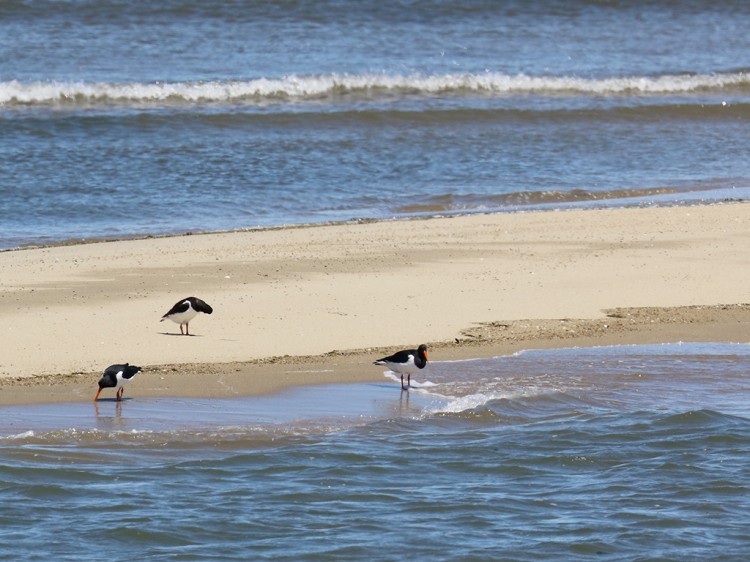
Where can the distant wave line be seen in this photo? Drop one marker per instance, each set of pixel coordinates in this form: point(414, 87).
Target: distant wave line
point(365, 86)
point(470, 202)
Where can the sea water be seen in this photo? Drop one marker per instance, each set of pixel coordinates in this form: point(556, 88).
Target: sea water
point(613, 453)
point(123, 119)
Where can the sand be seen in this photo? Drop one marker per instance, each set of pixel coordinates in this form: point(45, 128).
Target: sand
point(320, 303)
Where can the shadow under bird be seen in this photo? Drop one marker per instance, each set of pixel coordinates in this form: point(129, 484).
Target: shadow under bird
point(117, 376)
point(185, 310)
point(406, 362)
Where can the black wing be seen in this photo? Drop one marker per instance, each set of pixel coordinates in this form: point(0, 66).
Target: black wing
point(399, 356)
point(181, 306)
point(112, 370)
point(130, 371)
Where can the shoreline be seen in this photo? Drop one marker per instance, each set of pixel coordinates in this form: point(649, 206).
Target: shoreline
point(444, 214)
point(637, 326)
point(469, 286)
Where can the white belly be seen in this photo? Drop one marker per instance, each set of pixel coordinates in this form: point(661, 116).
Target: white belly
point(408, 368)
point(121, 381)
point(183, 317)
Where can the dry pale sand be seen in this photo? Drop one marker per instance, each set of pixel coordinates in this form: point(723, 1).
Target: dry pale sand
point(318, 304)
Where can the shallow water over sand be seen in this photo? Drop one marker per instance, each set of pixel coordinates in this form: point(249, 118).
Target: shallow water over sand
point(300, 409)
point(619, 453)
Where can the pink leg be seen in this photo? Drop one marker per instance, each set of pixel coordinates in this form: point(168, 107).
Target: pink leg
point(187, 329)
point(119, 394)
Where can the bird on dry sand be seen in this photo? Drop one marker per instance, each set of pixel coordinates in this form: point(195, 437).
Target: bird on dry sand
point(117, 376)
point(185, 310)
point(406, 362)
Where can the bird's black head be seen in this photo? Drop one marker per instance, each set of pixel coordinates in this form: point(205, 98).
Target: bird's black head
point(201, 305)
point(107, 381)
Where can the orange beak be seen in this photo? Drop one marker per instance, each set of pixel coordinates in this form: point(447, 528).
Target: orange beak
point(97, 394)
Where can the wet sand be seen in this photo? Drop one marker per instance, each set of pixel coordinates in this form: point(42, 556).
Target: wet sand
point(317, 305)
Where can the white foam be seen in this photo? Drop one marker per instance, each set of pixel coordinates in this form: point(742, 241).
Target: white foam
point(23, 435)
point(465, 403)
point(313, 88)
point(415, 384)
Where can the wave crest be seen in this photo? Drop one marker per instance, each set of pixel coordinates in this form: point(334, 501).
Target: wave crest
point(365, 86)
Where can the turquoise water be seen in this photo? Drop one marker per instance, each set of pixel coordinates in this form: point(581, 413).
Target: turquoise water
point(617, 453)
point(130, 118)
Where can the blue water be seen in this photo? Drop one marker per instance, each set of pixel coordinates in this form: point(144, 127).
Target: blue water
point(615, 453)
point(121, 119)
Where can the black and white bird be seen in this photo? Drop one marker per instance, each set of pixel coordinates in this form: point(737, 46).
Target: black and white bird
point(185, 310)
point(117, 376)
point(406, 362)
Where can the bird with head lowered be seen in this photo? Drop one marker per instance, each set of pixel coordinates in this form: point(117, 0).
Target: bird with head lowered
point(185, 310)
point(117, 376)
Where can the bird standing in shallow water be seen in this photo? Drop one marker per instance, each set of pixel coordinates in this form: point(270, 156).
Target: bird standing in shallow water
point(116, 376)
point(185, 310)
point(405, 363)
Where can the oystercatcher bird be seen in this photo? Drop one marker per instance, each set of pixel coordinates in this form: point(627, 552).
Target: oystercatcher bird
point(185, 310)
point(405, 362)
point(116, 376)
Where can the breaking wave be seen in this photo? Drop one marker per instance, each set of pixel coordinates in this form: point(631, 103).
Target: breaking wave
point(374, 87)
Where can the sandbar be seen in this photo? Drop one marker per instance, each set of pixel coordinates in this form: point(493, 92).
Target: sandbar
point(317, 304)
